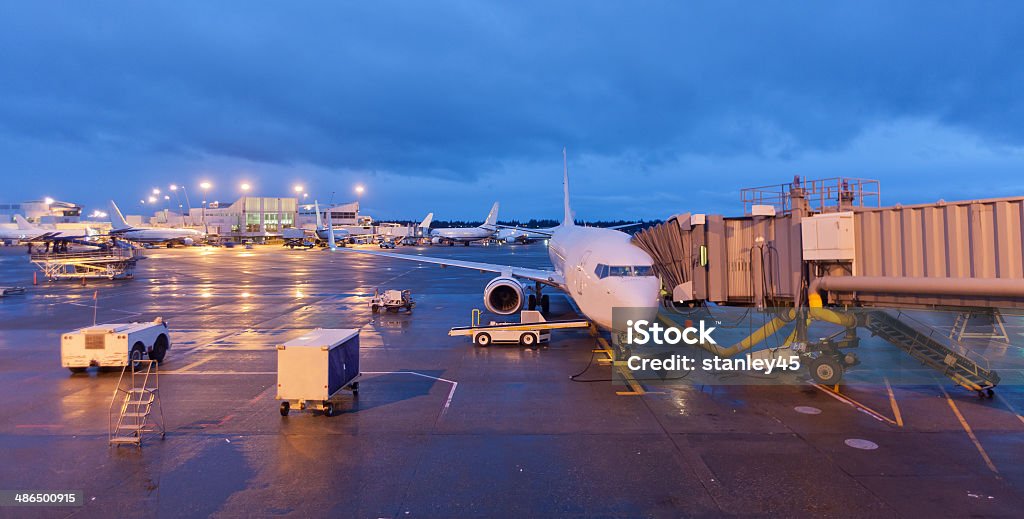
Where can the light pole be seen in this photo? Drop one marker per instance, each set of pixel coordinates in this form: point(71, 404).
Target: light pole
point(205, 186)
point(359, 199)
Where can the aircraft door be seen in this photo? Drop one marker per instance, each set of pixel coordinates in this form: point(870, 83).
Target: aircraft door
point(581, 273)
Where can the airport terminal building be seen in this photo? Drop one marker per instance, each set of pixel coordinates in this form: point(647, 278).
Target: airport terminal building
point(265, 218)
point(250, 217)
point(47, 211)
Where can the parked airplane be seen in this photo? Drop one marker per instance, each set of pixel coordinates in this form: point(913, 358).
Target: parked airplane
point(599, 269)
point(28, 232)
point(169, 235)
point(323, 231)
point(466, 235)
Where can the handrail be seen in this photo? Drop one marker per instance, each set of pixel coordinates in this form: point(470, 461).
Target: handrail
point(942, 339)
point(107, 254)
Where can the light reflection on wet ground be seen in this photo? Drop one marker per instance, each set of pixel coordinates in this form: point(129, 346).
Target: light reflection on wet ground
point(518, 439)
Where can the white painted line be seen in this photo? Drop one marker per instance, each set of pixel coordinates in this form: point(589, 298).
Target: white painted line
point(451, 393)
point(854, 404)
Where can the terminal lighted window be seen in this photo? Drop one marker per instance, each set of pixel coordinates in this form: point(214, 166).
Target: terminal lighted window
point(604, 271)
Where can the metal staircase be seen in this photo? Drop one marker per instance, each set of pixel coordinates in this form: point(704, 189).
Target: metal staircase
point(139, 393)
point(930, 351)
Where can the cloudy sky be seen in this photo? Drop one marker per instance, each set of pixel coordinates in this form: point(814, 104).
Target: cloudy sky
point(447, 106)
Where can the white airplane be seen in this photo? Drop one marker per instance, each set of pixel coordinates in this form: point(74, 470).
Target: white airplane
point(322, 231)
point(169, 235)
point(599, 269)
point(28, 232)
point(466, 235)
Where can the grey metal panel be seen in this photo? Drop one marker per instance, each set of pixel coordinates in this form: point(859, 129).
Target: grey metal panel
point(1007, 235)
point(957, 241)
point(891, 245)
point(718, 259)
point(983, 264)
point(738, 238)
point(933, 232)
point(912, 242)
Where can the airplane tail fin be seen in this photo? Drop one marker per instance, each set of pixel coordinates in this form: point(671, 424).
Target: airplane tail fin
point(22, 222)
point(330, 232)
point(426, 221)
point(319, 219)
point(567, 218)
point(492, 217)
point(117, 220)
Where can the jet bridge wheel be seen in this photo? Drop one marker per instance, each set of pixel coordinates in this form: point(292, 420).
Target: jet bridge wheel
point(826, 370)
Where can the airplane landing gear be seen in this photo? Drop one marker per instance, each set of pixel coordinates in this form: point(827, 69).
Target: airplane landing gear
point(537, 298)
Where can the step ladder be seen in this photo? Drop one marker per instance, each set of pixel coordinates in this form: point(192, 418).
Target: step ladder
point(134, 399)
point(962, 326)
point(953, 362)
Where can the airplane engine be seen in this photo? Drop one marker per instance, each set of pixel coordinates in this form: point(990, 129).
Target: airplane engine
point(188, 241)
point(504, 296)
point(436, 240)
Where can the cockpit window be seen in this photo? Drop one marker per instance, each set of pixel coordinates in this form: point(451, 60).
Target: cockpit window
point(602, 271)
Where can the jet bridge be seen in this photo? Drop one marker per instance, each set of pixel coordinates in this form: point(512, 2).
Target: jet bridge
point(829, 243)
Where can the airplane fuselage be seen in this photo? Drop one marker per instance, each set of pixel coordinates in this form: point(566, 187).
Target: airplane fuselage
point(603, 270)
point(153, 235)
point(462, 234)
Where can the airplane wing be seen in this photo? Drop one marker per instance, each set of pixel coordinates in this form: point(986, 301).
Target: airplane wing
point(548, 277)
point(625, 225)
point(544, 232)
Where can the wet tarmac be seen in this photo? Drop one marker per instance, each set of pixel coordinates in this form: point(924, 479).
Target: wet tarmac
point(518, 438)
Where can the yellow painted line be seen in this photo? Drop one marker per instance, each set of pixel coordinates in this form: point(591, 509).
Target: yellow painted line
point(892, 401)
point(1010, 407)
point(635, 386)
point(855, 404)
point(970, 432)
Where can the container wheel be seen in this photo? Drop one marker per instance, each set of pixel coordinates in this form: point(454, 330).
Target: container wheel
point(483, 339)
point(826, 370)
point(77, 370)
point(328, 409)
point(528, 339)
point(285, 407)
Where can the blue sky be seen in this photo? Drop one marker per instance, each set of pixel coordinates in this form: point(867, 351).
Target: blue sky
point(442, 106)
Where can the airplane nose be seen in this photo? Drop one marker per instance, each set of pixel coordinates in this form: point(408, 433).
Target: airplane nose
point(641, 295)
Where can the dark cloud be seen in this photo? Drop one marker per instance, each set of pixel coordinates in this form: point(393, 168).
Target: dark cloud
point(456, 90)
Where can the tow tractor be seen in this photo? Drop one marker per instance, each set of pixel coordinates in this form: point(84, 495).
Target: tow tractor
point(531, 330)
point(392, 300)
